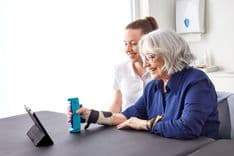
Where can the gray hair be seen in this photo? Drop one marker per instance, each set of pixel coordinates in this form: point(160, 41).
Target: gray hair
point(171, 47)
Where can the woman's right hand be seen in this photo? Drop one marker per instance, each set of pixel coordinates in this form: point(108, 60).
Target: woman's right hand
point(83, 112)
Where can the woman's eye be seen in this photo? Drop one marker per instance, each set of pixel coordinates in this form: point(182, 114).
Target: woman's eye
point(150, 56)
point(130, 43)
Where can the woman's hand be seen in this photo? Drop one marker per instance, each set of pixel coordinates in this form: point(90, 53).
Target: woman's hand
point(134, 123)
point(83, 112)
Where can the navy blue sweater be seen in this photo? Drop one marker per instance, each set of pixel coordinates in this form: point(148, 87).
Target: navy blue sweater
point(189, 106)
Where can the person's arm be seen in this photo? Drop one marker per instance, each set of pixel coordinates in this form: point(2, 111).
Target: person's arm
point(134, 123)
point(200, 101)
point(135, 114)
point(100, 117)
point(107, 118)
point(116, 106)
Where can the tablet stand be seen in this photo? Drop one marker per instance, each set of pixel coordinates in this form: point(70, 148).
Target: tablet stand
point(38, 136)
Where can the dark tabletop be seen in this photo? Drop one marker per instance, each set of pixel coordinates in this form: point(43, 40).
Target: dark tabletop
point(96, 141)
point(217, 148)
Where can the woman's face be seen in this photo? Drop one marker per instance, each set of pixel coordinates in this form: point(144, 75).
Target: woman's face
point(154, 65)
point(132, 36)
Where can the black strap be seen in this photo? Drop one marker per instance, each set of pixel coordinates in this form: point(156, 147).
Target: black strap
point(107, 114)
point(93, 117)
point(82, 120)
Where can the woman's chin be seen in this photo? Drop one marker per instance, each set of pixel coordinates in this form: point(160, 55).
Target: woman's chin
point(133, 58)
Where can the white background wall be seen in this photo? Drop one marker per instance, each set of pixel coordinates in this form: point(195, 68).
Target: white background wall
point(51, 50)
point(54, 49)
point(218, 38)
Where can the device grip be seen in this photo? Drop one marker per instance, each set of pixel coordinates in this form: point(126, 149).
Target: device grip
point(75, 121)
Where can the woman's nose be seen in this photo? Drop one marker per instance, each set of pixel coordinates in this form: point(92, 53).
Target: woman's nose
point(128, 48)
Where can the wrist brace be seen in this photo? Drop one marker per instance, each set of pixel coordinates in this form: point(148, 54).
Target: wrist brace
point(93, 116)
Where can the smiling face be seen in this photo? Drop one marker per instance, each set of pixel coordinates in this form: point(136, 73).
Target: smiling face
point(132, 36)
point(154, 65)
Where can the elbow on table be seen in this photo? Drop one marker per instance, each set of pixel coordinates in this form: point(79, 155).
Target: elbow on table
point(181, 135)
point(179, 131)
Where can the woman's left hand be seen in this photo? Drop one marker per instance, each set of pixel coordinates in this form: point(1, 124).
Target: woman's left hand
point(134, 123)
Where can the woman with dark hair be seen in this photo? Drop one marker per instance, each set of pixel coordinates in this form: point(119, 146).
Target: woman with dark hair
point(131, 77)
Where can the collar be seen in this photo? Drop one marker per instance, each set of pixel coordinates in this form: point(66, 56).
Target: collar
point(175, 80)
point(158, 85)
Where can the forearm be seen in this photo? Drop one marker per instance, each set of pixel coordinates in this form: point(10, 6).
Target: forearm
point(117, 102)
point(176, 129)
point(101, 117)
point(118, 118)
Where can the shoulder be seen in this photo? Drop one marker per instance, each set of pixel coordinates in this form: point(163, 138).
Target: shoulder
point(122, 66)
point(122, 70)
point(186, 78)
point(193, 74)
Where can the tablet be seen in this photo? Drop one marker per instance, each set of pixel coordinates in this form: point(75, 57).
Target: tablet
point(37, 133)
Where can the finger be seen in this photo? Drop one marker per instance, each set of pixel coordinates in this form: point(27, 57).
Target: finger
point(69, 121)
point(69, 114)
point(68, 108)
point(122, 125)
point(119, 126)
point(81, 110)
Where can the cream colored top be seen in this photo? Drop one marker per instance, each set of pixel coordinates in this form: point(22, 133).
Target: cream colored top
point(129, 83)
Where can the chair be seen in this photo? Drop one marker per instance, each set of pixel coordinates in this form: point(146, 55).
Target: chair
point(226, 115)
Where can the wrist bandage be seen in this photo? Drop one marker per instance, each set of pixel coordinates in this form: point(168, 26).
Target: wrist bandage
point(93, 116)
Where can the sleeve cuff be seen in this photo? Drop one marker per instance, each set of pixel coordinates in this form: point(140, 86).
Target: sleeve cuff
point(129, 112)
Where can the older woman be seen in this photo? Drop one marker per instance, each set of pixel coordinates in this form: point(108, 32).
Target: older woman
point(180, 102)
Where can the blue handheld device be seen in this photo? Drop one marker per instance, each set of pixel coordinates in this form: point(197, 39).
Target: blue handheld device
point(75, 120)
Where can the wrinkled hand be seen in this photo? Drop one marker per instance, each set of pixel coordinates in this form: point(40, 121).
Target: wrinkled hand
point(83, 112)
point(134, 123)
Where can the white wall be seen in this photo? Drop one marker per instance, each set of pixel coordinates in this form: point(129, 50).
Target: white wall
point(51, 50)
point(218, 39)
point(164, 11)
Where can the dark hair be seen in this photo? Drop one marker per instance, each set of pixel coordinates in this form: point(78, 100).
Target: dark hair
point(147, 24)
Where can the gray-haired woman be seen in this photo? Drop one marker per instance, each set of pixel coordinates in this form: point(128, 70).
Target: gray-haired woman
point(180, 102)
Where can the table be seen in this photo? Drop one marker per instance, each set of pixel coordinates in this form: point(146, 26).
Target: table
point(96, 141)
point(218, 148)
